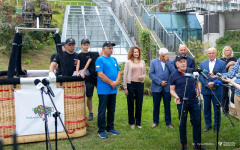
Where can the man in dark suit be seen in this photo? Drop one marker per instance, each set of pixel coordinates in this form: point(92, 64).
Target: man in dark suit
point(182, 50)
point(211, 65)
point(159, 72)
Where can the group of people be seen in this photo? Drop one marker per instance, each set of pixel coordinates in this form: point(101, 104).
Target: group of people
point(169, 78)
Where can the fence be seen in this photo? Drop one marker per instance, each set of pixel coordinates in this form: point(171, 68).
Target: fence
point(60, 2)
point(170, 40)
point(206, 5)
point(132, 24)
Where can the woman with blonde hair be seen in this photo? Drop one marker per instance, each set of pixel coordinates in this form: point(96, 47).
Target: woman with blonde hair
point(227, 56)
point(133, 84)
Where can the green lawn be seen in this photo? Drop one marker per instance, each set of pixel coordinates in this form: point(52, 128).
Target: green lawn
point(145, 138)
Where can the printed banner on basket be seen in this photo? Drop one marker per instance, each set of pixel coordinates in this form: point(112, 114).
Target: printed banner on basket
point(30, 113)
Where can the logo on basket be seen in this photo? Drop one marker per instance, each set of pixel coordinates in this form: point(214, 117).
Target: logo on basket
point(39, 110)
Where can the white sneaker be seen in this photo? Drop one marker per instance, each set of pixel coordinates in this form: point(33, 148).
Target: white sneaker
point(139, 127)
point(133, 126)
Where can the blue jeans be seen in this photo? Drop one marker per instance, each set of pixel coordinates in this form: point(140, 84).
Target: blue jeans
point(194, 110)
point(106, 102)
point(156, 106)
point(135, 91)
point(208, 110)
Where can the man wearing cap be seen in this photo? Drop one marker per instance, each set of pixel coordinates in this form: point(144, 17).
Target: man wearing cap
point(108, 77)
point(159, 72)
point(177, 89)
point(68, 58)
point(182, 50)
point(86, 69)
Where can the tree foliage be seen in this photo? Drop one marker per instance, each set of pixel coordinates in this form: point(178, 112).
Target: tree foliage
point(231, 38)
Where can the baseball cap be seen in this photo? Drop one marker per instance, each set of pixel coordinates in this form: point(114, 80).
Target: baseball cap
point(85, 40)
point(70, 40)
point(179, 57)
point(108, 43)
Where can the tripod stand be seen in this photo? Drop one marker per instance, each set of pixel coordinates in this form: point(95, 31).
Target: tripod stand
point(56, 115)
point(218, 105)
point(46, 123)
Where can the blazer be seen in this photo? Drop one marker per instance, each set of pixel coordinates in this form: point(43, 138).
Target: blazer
point(128, 72)
point(190, 63)
point(157, 74)
point(219, 66)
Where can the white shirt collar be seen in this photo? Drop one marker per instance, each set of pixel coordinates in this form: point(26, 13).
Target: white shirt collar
point(214, 60)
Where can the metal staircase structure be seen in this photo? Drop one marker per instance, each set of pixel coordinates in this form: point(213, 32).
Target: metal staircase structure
point(98, 24)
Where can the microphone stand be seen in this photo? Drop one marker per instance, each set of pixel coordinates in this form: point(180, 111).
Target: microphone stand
point(183, 112)
point(46, 124)
point(200, 99)
point(218, 113)
point(55, 115)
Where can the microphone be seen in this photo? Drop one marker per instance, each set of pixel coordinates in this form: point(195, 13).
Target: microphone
point(195, 75)
point(199, 70)
point(46, 83)
point(188, 74)
point(205, 71)
point(218, 83)
point(39, 85)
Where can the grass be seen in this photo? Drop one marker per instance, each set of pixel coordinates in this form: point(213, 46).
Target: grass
point(145, 138)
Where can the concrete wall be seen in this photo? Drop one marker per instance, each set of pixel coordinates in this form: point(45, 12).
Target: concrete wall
point(232, 20)
point(211, 38)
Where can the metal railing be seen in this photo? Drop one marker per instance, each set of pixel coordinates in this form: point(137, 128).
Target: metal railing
point(132, 24)
point(170, 40)
point(61, 2)
point(206, 5)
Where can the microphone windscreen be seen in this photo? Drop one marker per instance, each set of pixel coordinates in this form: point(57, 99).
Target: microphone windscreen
point(45, 82)
point(219, 83)
point(205, 71)
point(36, 81)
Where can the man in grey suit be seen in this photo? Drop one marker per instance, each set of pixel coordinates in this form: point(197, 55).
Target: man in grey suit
point(160, 71)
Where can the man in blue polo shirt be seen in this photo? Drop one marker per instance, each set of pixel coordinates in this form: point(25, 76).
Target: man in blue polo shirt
point(108, 77)
point(177, 88)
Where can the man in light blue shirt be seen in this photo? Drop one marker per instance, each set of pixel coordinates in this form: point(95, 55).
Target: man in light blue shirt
point(108, 77)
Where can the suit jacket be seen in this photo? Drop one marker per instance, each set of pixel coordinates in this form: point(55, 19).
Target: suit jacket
point(219, 66)
point(157, 74)
point(190, 63)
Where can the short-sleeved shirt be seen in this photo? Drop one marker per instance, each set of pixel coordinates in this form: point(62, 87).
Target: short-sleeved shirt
point(109, 67)
point(179, 80)
point(83, 57)
point(59, 70)
point(70, 61)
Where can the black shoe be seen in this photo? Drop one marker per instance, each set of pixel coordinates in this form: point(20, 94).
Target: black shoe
point(90, 118)
point(198, 147)
point(184, 147)
point(207, 128)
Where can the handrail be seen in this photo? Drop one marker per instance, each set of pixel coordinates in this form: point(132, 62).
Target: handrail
point(217, 6)
point(183, 43)
point(134, 15)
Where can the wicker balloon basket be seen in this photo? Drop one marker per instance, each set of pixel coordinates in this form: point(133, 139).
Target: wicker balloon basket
point(74, 108)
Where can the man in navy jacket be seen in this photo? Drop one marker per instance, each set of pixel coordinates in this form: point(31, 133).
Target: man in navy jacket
point(182, 50)
point(211, 65)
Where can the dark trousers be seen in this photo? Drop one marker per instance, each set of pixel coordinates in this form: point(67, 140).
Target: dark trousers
point(208, 99)
point(106, 102)
point(156, 106)
point(225, 99)
point(135, 91)
point(194, 110)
